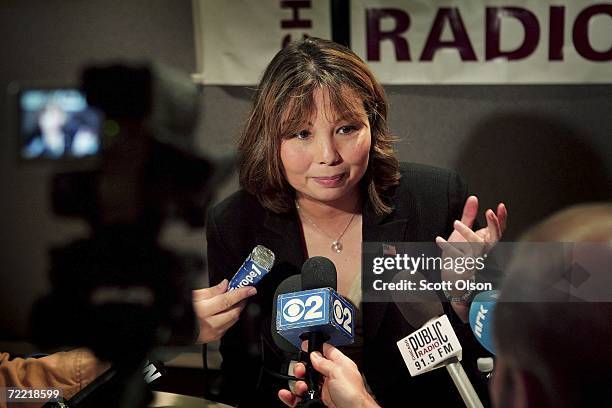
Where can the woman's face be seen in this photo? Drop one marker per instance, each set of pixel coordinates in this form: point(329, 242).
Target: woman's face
point(328, 157)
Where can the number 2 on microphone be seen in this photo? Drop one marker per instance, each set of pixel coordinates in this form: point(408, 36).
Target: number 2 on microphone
point(343, 316)
point(316, 302)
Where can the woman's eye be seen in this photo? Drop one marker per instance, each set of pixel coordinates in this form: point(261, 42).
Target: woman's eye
point(345, 130)
point(302, 134)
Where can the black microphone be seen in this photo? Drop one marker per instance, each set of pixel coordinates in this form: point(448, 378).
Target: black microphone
point(307, 307)
point(422, 308)
point(289, 285)
point(293, 284)
point(317, 272)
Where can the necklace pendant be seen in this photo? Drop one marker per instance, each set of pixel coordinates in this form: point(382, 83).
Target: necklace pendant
point(336, 246)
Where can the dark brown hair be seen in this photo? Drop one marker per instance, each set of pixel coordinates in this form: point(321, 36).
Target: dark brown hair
point(284, 101)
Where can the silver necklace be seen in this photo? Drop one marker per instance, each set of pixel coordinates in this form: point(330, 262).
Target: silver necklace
point(336, 245)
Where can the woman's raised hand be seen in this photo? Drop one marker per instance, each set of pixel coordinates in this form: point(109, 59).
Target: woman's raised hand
point(483, 239)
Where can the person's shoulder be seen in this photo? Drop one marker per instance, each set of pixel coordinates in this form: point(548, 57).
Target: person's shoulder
point(422, 178)
point(432, 195)
point(237, 206)
point(423, 173)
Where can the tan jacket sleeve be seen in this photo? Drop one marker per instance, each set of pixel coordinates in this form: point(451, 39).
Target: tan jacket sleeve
point(69, 371)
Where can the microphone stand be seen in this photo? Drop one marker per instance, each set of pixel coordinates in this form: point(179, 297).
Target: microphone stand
point(463, 384)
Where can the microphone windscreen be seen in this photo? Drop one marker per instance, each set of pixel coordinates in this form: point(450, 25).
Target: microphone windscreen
point(417, 306)
point(319, 272)
point(289, 285)
point(481, 318)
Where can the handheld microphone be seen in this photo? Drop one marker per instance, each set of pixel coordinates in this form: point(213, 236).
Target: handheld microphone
point(481, 318)
point(435, 344)
point(317, 309)
point(316, 313)
point(253, 269)
point(319, 272)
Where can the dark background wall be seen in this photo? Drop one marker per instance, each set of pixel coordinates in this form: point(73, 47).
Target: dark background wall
point(537, 148)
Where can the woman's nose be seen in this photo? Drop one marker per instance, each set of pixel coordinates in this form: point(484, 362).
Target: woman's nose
point(327, 151)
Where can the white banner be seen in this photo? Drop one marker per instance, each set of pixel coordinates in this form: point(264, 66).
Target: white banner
point(417, 41)
point(236, 39)
point(469, 41)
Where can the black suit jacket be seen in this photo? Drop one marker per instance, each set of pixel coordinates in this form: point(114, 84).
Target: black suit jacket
point(425, 204)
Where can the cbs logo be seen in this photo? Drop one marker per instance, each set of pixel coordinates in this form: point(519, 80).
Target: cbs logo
point(296, 309)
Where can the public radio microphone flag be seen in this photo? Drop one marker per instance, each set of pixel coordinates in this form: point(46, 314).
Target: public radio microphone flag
point(430, 347)
point(322, 310)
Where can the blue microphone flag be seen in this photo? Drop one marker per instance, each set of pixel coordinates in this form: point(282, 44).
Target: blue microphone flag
point(481, 318)
point(322, 310)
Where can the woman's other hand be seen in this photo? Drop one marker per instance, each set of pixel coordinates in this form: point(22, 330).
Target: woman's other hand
point(486, 237)
point(218, 310)
point(463, 242)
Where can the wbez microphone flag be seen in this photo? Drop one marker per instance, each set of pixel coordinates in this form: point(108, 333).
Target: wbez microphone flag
point(430, 347)
point(322, 309)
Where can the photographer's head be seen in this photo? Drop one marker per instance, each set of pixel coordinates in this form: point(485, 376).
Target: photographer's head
point(317, 130)
point(549, 345)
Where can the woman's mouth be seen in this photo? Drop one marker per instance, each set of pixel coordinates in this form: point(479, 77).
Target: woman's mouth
point(330, 181)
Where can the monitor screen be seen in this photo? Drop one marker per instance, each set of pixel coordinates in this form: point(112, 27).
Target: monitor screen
point(57, 124)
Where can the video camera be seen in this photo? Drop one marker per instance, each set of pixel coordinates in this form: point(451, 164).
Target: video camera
point(119, 291)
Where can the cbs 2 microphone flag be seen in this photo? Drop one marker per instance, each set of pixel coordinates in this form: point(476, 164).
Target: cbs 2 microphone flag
point(323, 310)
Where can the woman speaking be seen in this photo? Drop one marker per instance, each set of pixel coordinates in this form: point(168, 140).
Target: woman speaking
point(319, 176)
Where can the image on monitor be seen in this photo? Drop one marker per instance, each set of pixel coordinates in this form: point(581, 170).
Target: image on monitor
point(57, 124)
